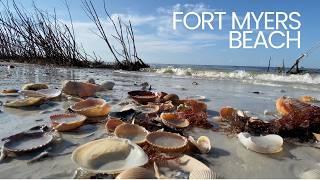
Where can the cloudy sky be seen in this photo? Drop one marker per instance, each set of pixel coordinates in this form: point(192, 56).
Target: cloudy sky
point(157, 42)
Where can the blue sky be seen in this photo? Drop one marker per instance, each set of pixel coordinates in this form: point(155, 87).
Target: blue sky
point(158, 43)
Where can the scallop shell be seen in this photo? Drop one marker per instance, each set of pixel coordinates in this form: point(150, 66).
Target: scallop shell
point(133, 132)
point(143, 97)
point(109, 156)
point(91, 107)
point(80, 89)
point(202, 174)
point(311, 174)
point(29, 101)
point(149, 109)
point(227, 112)
point(10, 92)
point(167, 142)
point(136, 173)
point(46, 93)
point(34, 86)
point(268, 144)
point(25, 142)
point(196, 97)
point(112, 124)
point(286, 105)
point(171, 120)
point(171, 97)
point(67, 122)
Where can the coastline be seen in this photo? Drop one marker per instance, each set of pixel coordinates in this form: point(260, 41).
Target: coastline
point(226, 156)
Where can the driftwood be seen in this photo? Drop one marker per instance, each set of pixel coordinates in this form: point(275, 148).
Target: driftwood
point(295, 67)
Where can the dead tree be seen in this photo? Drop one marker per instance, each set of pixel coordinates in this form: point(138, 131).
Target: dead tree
point(295, 67)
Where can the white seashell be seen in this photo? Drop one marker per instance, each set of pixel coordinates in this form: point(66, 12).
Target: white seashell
point(241, 113)
point(311, 174)
point(271, 143)
point(203, 144)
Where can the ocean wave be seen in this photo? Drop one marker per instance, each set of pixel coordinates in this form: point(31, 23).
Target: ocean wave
point(239, 74)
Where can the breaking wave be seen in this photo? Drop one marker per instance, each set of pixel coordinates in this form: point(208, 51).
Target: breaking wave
point(240, 75)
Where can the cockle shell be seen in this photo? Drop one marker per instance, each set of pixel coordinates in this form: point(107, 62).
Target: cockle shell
point(143, 97)
point(271, 143)
point(34, 86)
point(46, 93)
point(80, 89)
point(92, 107)
point(67, 122)
point(149, 109)
point(112, 124)
point(29, 101)
point(133, 132)
point(167, 142)
point(173, 121)
point(109, 156)
point(136, 173)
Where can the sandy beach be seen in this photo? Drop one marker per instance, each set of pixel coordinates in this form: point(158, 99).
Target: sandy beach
point(228, 158)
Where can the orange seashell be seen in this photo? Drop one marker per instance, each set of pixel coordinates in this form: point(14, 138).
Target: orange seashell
point(143, 97)
point(133, 132)
point(287, 105)
point(227, 112)
point(67, 122)
point(172, 120)
point(80, 89)
point(308, 99)
point(92, 107)
point(112, 124)
point(167, 142)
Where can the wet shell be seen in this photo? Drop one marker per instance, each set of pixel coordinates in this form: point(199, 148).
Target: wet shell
point(50, 93)
point(268, 144)
point(34, 86)
point(24, 142)
point(227, 112)
point(112, 124)
point(167, 142)
point(287, 105)
point(29, 101)
point(91, 107)
point(9, 92)
point(148, 109)
point(133, 132)
point(80, 89)
point(171, 120)
point(171, 97)
point(67, 122)
point(202, 174)
point(143, 97)
point(136, 173)
point(308, 99)
point(202, 145)
point(109, 156)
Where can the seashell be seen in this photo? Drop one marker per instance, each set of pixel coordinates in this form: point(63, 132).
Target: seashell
point(29, 101)
point(227, 112)
point(80, 89)
point(287, 105)
point(136, 173)
point(50, 93)
point(308, 99)
point(108, 85)
point(25, 142)
point(143, 97)
point(148, 109)
point(122, 115)
point(91, 107)
point(271, 143)
point(133, 132)
point(167, 106)
point(112, 123)
point(5, 91)
point(67, 122)
point(171, 97)
point(34, 86)
point(203, 144)
point(311, 174)
point(202, 174)
point(109, 156)
point(197, 106)
point(173, 121)
point(167, 142)
point(196, 97)
point(317, 136)
point(241, 113)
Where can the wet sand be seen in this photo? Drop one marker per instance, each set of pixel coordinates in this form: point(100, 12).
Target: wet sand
point(228, 158)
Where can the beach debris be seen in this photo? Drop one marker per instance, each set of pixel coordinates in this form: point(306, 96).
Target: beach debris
point(143, 97)
point(67, 122)
point(91, 107)
point(133, 132)
point(112, 123)
point(257, 92)
point(202, 145)
point(109, 156)
point(34, 86)
point(172, 120)
point(91, 80)
point(108, 85)
point(196, 97)
point(310, 174)
point(171, 97)
point(195, 83)
point(308, 99)
point(167, 142)
point(227, 112)
point(137, 173)
point(202, 174)
point(124, 115)
point(80, 89)
point(268, 144)
point(29, 101)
